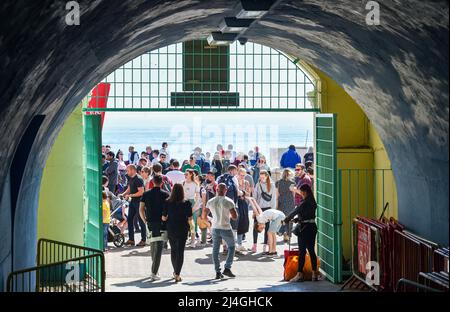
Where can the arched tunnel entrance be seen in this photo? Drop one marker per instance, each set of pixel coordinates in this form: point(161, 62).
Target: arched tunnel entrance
point(385, 68)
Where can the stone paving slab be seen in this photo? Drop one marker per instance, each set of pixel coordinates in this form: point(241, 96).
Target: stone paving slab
point(128, 269)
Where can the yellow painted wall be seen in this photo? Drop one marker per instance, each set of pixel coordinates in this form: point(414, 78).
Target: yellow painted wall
point(381, 161)
point(359, 147)
point(60, 214)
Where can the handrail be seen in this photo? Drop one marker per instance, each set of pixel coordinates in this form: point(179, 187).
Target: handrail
point(51, 270)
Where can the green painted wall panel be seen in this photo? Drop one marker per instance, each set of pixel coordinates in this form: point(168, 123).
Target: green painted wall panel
point(93, 177)
point(60, 214)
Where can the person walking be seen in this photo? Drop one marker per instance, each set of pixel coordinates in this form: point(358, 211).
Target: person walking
point(266, 197)
point(307, 232)
point(192, 194)
point(233, 192)
point(134, 192)
point(151, 211)
point(290, 158)
point(177, 213)
point(285, 197)
point(222, 209)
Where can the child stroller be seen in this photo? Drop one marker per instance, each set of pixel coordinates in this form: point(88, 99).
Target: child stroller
point(115, 236)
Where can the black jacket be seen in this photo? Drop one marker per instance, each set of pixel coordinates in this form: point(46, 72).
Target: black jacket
point(305, 211)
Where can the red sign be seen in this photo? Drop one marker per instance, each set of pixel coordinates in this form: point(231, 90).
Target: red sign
point(363, 246)
point(99, 98)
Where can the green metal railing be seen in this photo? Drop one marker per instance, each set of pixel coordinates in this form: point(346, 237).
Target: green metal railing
point(193, 76)
point(61, 267)
point(363, 192)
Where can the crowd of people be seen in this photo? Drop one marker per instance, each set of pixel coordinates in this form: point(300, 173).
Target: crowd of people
point(210, 199)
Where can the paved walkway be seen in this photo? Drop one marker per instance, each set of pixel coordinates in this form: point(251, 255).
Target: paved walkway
point(128, 269)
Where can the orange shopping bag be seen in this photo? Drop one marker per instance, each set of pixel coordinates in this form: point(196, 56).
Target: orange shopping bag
point(291, 265)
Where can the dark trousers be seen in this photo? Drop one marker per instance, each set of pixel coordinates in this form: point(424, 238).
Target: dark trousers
point(255, 232)
point(132, 212)
point(177, 253)
point(307, 240)
point(156, 249)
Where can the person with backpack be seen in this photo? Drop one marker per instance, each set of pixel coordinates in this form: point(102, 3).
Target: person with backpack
point(231, 181)
point(233, 193)
point(166, 184)
point(265, 195)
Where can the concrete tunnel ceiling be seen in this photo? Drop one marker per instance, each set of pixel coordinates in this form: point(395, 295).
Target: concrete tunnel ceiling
point(397, 72)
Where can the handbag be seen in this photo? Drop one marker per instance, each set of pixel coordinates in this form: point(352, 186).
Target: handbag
point(202, 223)
point(264, 195)
point(296, 230)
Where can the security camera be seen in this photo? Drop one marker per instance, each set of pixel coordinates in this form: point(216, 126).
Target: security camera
point(242, 40)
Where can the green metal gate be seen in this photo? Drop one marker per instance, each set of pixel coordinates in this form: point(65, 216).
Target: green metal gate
point(329, 219)
point(93, 229)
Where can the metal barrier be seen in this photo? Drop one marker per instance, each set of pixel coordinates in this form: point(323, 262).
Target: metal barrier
point(61, 267)
point(440, 260)
point(411, 255)
point(363, 192)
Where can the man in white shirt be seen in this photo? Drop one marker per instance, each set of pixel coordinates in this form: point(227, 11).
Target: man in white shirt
point(222, 209)
point(176, 175)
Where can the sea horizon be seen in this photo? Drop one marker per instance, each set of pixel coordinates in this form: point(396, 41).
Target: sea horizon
point(184, 131)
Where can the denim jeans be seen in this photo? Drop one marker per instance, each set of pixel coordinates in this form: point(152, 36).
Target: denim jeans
point(105, 235)
point(133, 210)
point(228, 237)
point(240, 238)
